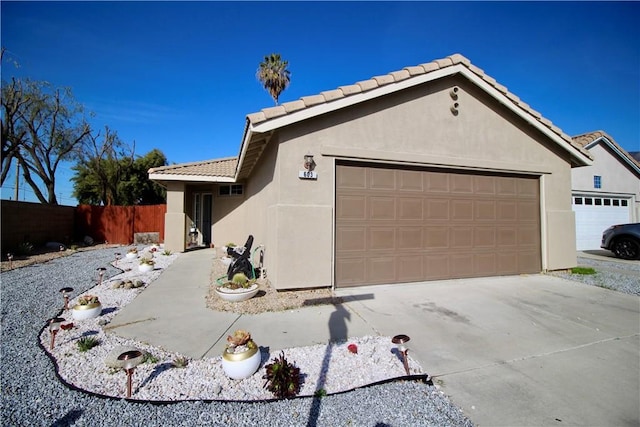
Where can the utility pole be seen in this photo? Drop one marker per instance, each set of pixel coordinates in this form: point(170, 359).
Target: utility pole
point(15, 190)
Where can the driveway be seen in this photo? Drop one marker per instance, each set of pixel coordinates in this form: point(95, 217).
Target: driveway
point(518, 351)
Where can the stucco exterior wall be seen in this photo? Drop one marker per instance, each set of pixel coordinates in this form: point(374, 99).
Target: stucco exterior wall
point(618, 178)
point(414, 127)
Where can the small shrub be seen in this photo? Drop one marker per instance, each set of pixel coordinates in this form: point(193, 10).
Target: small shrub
point(582, 270)
point(283, 378)
point(166, 252)
point(180, 362)
point(87, 343)
point(320, 393)
point(149, 358)
point(25, 248)
point(73, 247)
point(240, 279)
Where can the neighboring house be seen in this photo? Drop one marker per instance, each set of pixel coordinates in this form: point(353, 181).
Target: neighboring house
point(605, 193)
point(434, 171)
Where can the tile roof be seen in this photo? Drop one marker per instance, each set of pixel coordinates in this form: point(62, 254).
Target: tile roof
point(219, 167)
point(587, 138)
point(398, 76)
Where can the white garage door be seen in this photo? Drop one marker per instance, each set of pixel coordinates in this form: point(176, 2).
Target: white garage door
point(594, 214)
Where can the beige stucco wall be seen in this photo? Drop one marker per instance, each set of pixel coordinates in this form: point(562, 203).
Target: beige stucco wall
point(618, 178)
point(175, 218)
point(294, 217)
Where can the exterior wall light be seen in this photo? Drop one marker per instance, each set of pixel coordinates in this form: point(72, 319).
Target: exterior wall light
point(309, 164)
point(130, 359)
point(400, 341)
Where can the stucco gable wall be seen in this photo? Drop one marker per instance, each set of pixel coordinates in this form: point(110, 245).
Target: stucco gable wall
point(617, 176)
point(416, 127)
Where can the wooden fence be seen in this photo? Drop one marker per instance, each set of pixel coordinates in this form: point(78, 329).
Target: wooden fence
point(119, 224)
point(39, 223)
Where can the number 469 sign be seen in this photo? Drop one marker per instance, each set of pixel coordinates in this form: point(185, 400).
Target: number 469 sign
point(308, 175)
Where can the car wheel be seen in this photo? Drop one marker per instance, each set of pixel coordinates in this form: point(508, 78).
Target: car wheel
point(626, 248)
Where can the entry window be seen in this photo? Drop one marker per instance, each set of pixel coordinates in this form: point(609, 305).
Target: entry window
point(230, 190)
point(597, 181)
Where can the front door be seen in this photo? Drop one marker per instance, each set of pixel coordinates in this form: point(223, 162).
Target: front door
point(202, 208)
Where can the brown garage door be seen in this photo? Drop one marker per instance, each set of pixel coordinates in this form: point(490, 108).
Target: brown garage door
point(395, 225)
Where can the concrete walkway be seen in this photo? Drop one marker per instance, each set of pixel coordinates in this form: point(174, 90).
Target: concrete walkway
point(520, 350)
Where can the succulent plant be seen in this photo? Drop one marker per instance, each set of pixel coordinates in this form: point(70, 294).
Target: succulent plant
point(283, 378)
point(87, 343)
point(180, 362)
point(147, 261)
point(133, 250)
point(239, 337)
point(240, 279)
point(88, 299)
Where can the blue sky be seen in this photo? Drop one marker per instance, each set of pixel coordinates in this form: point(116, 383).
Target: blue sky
point(180, 76)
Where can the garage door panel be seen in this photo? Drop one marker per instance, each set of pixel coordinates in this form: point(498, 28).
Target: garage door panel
point(382, 270)
point(437, 266)
point(430, 225)
point(506, 210)
point(353, 239)
point(382, 179)
point(382, 239)
point(462, 184)
point(461, 237)
point(437, 182)
point(484, 185)
point(436, 237)
point(507, 263)
point(382, 208)
point(485, 210)
point(410, 268)
point(410, 209)
point(351, 271)
point(485, 264)
point(410, 238)
point(352, 178)
point(461, 210)
point(411, 181)
point(436, 209)
point(462, 264)
point(351, 207)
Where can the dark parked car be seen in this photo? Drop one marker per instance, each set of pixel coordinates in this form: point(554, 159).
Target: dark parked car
point(623, 240)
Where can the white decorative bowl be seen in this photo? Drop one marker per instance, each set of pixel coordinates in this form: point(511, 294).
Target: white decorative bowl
point(237, 295)
point(84, 312)
point(239, 366)
point(145, 268)
point(131, 255)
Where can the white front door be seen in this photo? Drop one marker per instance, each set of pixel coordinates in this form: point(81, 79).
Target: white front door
point(594, 214)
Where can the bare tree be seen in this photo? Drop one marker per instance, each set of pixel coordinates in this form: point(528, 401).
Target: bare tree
point(45, 127)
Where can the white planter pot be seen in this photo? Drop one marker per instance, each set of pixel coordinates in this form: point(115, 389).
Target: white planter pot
point(236, 295)
point(84, 312)
point(226, 260)
point(131, 255)
point(145, 268)
point(238, 366)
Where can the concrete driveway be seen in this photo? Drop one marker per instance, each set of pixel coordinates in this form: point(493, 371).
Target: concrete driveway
point(518, 351)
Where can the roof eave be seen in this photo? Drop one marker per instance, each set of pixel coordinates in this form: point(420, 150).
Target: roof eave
point(579, 158)
point(190, 178)
point(615, 149)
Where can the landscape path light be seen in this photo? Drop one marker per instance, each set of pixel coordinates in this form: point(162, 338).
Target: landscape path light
point(400, 341)
point(101, 271)
point(10, 258)
point(130, 359)
point(54, 327)
point(65, 295)
point(117, 257)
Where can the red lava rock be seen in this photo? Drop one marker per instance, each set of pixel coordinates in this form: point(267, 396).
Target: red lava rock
point(66, 326)
point(353, 348)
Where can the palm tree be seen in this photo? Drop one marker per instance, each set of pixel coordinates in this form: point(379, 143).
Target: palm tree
point(273, 75)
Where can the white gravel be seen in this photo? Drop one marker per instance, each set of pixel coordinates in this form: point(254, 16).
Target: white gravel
point(35, 396)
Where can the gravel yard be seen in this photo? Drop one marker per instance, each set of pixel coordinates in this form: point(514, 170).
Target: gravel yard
point(617, 275)
point(33, 395)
